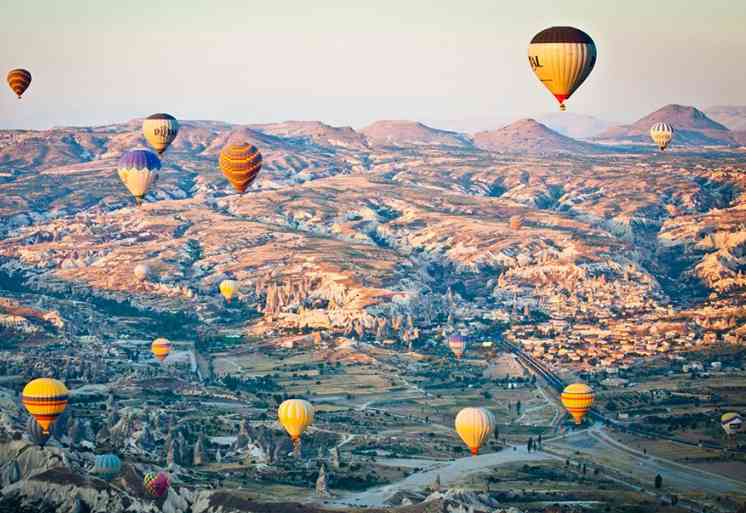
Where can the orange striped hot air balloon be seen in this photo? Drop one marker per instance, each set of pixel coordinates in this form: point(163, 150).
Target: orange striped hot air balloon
point(240, 163)
point(19, 80)
point(161, 347)
point(45, 399)
point(577, 399)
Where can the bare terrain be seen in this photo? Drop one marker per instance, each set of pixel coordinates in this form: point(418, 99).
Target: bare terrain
point(357, 254)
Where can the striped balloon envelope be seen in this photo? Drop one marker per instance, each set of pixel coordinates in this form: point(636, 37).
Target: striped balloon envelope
point(156, 484)
point(295, 415)
point(45, 399)
point(240, 163)
point(562, 58)
point(160, 130)
point(107, 466)
point(661, 134)
point(577, 399)
point(457, 344)
point(161, 347)
point(19, 80)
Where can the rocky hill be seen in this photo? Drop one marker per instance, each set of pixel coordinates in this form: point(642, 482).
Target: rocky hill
point(352, 256)
point(692, 128)
point(577, 126)
point(732, 116)
point(527, 136)
point(412, 133)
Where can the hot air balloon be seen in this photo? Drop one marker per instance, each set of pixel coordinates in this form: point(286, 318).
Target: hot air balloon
point(107, 466)
point(295, 415)
point(19, 80)
point(516, 222)
point(661, 133)
point(45, 399)
point(160, 130)
point(138, 169)
point(577, 399)
point(161, 347)
point(457, 344)
point(732, 423)
point(562, 58)
point(240, 163)
point(141, 272)
point(474, 426)
point(156, 484)
point(228, 288)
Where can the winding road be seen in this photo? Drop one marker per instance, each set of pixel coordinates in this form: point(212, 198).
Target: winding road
point(450, 472)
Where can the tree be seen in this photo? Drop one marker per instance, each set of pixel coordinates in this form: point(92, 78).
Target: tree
point(530, 444)
point(518, 408)
point(497, 434)
point(658, 481)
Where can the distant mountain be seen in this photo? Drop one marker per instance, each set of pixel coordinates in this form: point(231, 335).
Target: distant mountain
point(471, 125)
point(530, 136)
point(577, 126)
point(412, 133)
point(691, 125)
point(732, 116)
point(317, 133)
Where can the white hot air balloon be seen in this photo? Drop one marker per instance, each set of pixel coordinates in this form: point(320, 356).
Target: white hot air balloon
point(141, 272)
point(661, 133)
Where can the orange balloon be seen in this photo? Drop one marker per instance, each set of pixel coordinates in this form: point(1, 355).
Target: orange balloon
point(240, 163)
point(19, 80)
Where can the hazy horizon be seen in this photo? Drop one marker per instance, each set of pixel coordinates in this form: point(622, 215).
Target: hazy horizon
point(348, 65)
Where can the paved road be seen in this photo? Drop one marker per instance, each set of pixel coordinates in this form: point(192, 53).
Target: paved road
point(597, 442)
point(449, 472)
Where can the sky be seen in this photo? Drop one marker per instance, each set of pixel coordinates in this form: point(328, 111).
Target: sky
point(353, 62)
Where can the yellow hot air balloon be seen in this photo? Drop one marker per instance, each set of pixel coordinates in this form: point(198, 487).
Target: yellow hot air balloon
point(577, 399)
point(45, 399)
point(661, 134)
point(228, 288)
point(562, 58)
point(295, 415)
point(161, 347)
point(474, 426)
point(19, 80)
point(160, 130)
point(732, 423)
point(240, 163)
